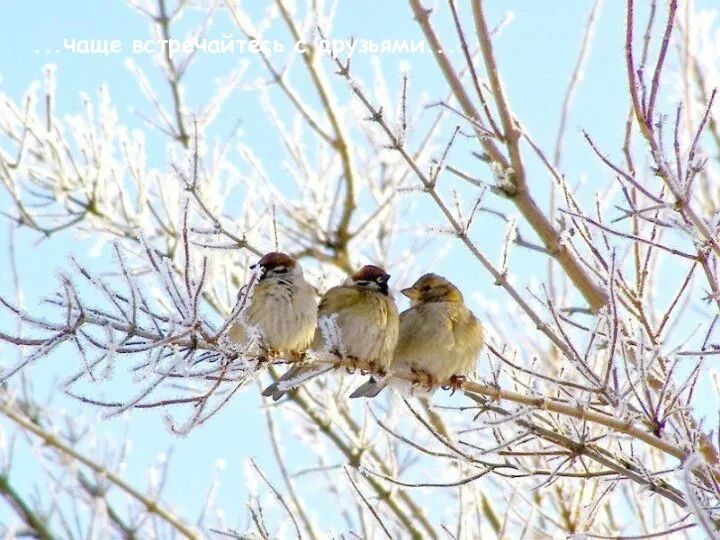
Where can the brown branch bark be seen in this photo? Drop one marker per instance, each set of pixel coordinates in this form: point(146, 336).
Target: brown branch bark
point(513, 168)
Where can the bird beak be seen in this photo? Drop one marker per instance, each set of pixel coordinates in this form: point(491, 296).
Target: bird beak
point(411, 293)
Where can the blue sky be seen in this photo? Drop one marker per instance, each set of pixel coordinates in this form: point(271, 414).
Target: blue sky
point(536, 54)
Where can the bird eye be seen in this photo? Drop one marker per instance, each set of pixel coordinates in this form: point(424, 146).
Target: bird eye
point(426, 288)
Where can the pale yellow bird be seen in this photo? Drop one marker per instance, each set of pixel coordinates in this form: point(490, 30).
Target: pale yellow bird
point(282, 308)
point(357, 320)
point(440, 338)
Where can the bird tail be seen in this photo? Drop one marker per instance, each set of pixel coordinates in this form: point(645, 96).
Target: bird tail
point(270, 390)
point(294, 377)
point(370, 389)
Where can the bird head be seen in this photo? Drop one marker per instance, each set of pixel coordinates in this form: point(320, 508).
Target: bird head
point(371, 277)
point(432, 288)
point(276, 264)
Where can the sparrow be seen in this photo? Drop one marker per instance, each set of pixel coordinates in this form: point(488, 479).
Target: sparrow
point(357, 320)
point(440, 338)
point(282, 307)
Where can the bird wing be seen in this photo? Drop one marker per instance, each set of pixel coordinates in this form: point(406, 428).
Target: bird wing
point(469, 339)
point(336, 301)
point(467, 329)
point(338, 298)
point(422, 327)
point(261, 292)
point(237, 331)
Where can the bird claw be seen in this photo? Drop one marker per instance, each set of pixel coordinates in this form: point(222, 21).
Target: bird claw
point(267, 355)
point(354, 365)
point(456, 383)
point(293, 357)
point(372, 367)
point(429, 380)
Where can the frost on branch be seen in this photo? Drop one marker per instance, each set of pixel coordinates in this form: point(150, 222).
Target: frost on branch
point(591, 392)
point(152, 329)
